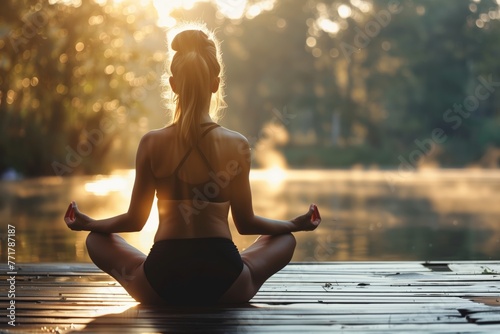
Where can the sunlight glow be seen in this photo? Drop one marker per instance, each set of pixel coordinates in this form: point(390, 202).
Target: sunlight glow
point(328, 25)
point(232, 9)
point(363, 6)
point(274, 176)
point(105, 186)
point(74, 3)
point(165, 8)
point(125, 305)
point(259, 7)
point(344, 11)
point(153, 220)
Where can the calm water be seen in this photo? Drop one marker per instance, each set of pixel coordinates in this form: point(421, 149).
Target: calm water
point(367, 215)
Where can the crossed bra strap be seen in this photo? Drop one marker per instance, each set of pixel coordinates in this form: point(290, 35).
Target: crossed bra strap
point(210, 127)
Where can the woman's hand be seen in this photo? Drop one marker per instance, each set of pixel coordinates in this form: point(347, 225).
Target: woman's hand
point(309, 221)
point(76, 220)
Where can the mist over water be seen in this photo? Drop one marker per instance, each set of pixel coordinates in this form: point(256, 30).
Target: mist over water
point(367, 215)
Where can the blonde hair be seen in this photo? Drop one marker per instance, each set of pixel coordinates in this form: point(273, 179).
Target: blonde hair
point(194, 63)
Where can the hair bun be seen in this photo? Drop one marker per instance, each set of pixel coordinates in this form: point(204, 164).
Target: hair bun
point(190, 40)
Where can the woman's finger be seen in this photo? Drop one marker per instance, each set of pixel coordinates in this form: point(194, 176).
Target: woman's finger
point(75, 212)
point(315, 214)
point(68, 211)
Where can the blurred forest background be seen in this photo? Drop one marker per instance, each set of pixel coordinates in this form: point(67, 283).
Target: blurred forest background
point(312, 84)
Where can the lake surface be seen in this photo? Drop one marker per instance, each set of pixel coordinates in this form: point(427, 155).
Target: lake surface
point(367, 215)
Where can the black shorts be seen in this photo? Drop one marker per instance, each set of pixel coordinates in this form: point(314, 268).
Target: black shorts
point(193, 271)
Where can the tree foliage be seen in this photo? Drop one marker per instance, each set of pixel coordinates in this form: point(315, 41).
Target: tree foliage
point(366, 81)
point(72, 77)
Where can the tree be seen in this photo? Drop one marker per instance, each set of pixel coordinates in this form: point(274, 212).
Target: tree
point(71, 74)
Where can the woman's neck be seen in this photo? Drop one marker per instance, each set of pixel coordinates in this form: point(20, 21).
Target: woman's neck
point(205, 118)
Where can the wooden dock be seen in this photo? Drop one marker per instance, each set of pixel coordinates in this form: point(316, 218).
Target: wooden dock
point(373, 297)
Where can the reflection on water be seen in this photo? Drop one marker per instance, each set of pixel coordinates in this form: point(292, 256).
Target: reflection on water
point(367, 215)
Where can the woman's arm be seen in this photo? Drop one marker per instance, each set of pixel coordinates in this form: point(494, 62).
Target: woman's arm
point(140, 203)
point(242, 209)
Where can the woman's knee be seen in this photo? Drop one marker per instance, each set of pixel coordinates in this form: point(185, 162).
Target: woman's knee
point(92, 239)
point(288, 240)
point(291, 243)
point(95, 241)
point(284, 244)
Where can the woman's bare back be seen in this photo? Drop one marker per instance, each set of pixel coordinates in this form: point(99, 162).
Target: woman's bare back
point(210, 166)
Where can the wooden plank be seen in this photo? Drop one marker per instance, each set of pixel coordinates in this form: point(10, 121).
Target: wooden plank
point(315, 287)
point(367, 267)
point(289, 308)
point(357, 297)
point(270, 314)
point(476, 269)
point(393, 278)
point(275, 320)
point(387, 328)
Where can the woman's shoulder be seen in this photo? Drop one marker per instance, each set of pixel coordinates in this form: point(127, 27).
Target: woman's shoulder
point(163, 135)
point(236, 145)
point(158, 133)
point(233, 136)
point(155, 138)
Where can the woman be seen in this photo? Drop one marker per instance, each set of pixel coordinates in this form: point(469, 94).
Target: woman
point(199, 170)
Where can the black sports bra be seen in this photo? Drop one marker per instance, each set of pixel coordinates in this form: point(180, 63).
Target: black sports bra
point(173, 187)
